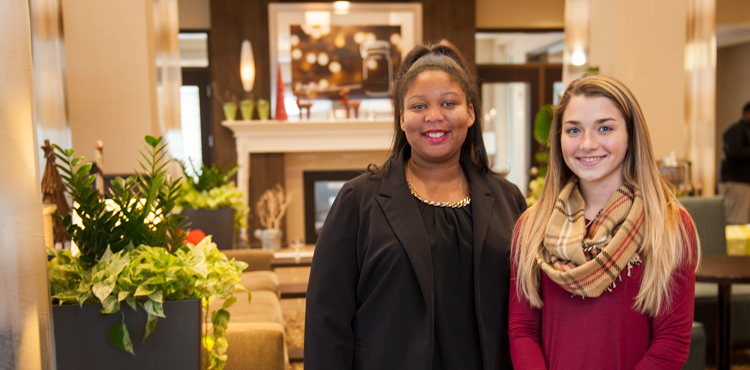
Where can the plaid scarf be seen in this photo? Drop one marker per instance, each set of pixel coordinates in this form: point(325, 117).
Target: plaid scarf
point(587, 265)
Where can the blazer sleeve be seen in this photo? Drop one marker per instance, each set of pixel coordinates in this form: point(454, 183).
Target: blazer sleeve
point(670, 330)
point(331, 292)
point(524, 324)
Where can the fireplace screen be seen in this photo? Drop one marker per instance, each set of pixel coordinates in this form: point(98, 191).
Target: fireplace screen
point(321, 188)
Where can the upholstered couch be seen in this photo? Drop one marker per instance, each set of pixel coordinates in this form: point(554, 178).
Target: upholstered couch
point(256, 331)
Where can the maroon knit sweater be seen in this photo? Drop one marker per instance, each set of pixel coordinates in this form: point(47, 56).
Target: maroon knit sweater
point(603, 332)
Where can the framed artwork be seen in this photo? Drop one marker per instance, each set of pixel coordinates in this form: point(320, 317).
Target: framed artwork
point(324, 51)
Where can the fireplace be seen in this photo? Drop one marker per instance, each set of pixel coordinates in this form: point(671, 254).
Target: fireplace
point(321, 188)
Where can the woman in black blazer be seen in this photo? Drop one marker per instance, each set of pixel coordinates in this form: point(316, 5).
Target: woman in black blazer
point(411, 267)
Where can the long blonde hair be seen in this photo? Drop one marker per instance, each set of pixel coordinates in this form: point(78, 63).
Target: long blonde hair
point(665, 235)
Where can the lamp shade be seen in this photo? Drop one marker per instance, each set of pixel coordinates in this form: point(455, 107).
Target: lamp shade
point(247, 66)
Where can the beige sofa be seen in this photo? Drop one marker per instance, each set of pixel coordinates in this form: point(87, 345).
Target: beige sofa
point(256, 331)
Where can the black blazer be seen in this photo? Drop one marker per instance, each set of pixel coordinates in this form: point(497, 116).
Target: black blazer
point(370, 293)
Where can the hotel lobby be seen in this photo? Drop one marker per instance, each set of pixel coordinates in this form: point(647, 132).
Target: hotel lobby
point(245, 83)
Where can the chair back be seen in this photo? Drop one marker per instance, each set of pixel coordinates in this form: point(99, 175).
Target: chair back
point(710, 222)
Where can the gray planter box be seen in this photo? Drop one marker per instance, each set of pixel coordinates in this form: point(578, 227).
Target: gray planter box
point(219, 223)
point(81, 340)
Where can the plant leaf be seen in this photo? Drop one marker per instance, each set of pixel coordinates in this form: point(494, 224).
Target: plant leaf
point(144, 290)
point(130, 300)
point(111, 305)
point(154, 308)
point(229, 302)
point(152, 141)
point(156, 296)
point(220, 321)
point(76, 161)
point(150, 326)
point(103, 289)
point(119, 336)
point(208, 343)
point(122, 295)
point(221, 345)
point(83, 170)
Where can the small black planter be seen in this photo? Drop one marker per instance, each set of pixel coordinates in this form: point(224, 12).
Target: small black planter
point(81, 340)
point(216, 222)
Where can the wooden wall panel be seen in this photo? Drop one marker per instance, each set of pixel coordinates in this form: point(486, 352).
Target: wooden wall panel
point(452, 20)
point(231, 22)
point(266, 170)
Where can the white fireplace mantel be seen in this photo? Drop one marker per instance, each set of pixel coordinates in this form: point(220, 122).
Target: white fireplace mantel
point(305, 136)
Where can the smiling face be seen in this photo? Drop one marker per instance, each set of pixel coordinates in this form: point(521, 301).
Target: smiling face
point(436, 118)
point(594, 141)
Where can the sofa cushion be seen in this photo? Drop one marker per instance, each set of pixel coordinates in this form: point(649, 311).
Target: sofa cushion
point(256, 259)
point(264, 307)
point(260, 280)
point(256, 346)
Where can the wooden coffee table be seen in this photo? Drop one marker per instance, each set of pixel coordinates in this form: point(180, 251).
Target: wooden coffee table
point(724, 270)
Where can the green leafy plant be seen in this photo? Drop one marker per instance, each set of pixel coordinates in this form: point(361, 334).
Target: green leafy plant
point(132, 251)
point(148, 276)
point(138, 214)
point(213, 189)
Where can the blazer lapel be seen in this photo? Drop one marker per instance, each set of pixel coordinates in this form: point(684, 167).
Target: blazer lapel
point(481, 210)
point(396, 202)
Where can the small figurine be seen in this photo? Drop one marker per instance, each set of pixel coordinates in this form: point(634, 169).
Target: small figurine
point(349, 103)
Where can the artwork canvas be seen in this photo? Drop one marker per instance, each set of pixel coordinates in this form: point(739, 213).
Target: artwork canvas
point(360, 59)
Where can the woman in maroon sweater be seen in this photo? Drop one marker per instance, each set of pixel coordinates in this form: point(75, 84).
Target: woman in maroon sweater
point(603, 266)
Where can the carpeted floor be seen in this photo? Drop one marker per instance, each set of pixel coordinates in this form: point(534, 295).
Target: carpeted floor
point(294, 330)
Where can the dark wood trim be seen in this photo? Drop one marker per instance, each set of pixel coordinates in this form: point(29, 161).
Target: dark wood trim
point(519, 30)
point(540, 78)
point(195, 30)
point(201, 77)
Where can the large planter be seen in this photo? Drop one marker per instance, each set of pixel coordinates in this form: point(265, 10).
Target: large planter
point(216, 222)
point(81, 340)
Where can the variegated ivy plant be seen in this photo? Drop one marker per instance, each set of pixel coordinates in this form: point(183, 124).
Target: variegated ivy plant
point(110, 269)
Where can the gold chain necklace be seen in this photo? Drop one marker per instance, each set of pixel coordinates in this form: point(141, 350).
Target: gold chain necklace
point(463, 202)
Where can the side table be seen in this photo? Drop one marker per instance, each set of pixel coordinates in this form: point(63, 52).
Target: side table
point(724, 270)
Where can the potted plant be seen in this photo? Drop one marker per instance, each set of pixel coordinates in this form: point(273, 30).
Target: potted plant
point(212, 203)
point(131, 252)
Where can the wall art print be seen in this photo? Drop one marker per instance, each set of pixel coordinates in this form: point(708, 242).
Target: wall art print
point(327, 60)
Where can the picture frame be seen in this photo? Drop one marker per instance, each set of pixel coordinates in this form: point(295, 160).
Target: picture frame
point(371, 17)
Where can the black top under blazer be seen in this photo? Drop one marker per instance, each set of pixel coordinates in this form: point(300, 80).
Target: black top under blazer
point(370, 293)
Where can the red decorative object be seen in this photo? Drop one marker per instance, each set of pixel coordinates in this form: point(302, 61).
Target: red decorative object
point(280, 108)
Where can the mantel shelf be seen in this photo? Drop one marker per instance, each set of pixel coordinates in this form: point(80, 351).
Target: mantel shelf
point(305, 136)
point(310, 136)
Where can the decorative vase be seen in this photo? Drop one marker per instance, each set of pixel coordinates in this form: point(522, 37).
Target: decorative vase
point(230, 111)
point(81, 340)
point(270, 238)
point(246, 109)
point(264, 109)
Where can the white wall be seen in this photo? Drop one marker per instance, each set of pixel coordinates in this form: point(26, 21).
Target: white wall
point(642, 43)
point(111, 78)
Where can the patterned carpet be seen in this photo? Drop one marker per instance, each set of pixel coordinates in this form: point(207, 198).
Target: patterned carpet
point(294, 330)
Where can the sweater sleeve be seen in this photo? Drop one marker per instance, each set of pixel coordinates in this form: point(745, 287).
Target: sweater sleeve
point(670, 330)
point(524, 324)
